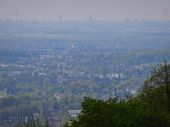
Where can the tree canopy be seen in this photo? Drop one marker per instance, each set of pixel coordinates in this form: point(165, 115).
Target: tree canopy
point(150, 108)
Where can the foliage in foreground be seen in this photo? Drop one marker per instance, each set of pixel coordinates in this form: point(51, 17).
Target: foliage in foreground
point(151, 108)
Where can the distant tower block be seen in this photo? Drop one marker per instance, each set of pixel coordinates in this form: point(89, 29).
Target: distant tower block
point(60, 18)
point(114, 93)
point(90, 18)
point(143, 19)
point(16, 18)
point(34, 20)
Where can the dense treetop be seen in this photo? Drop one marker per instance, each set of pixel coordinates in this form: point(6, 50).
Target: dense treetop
point(150, 108)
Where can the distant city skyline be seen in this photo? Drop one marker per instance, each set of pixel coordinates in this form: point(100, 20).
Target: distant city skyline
point(84, 9)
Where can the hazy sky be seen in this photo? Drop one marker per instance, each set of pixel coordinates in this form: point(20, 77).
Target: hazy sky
point(82, 9)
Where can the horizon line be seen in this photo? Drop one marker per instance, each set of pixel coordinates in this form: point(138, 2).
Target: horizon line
point(94, 20)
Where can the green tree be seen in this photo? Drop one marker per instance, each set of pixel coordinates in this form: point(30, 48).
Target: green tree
point(156, 89)
point(148, 109)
